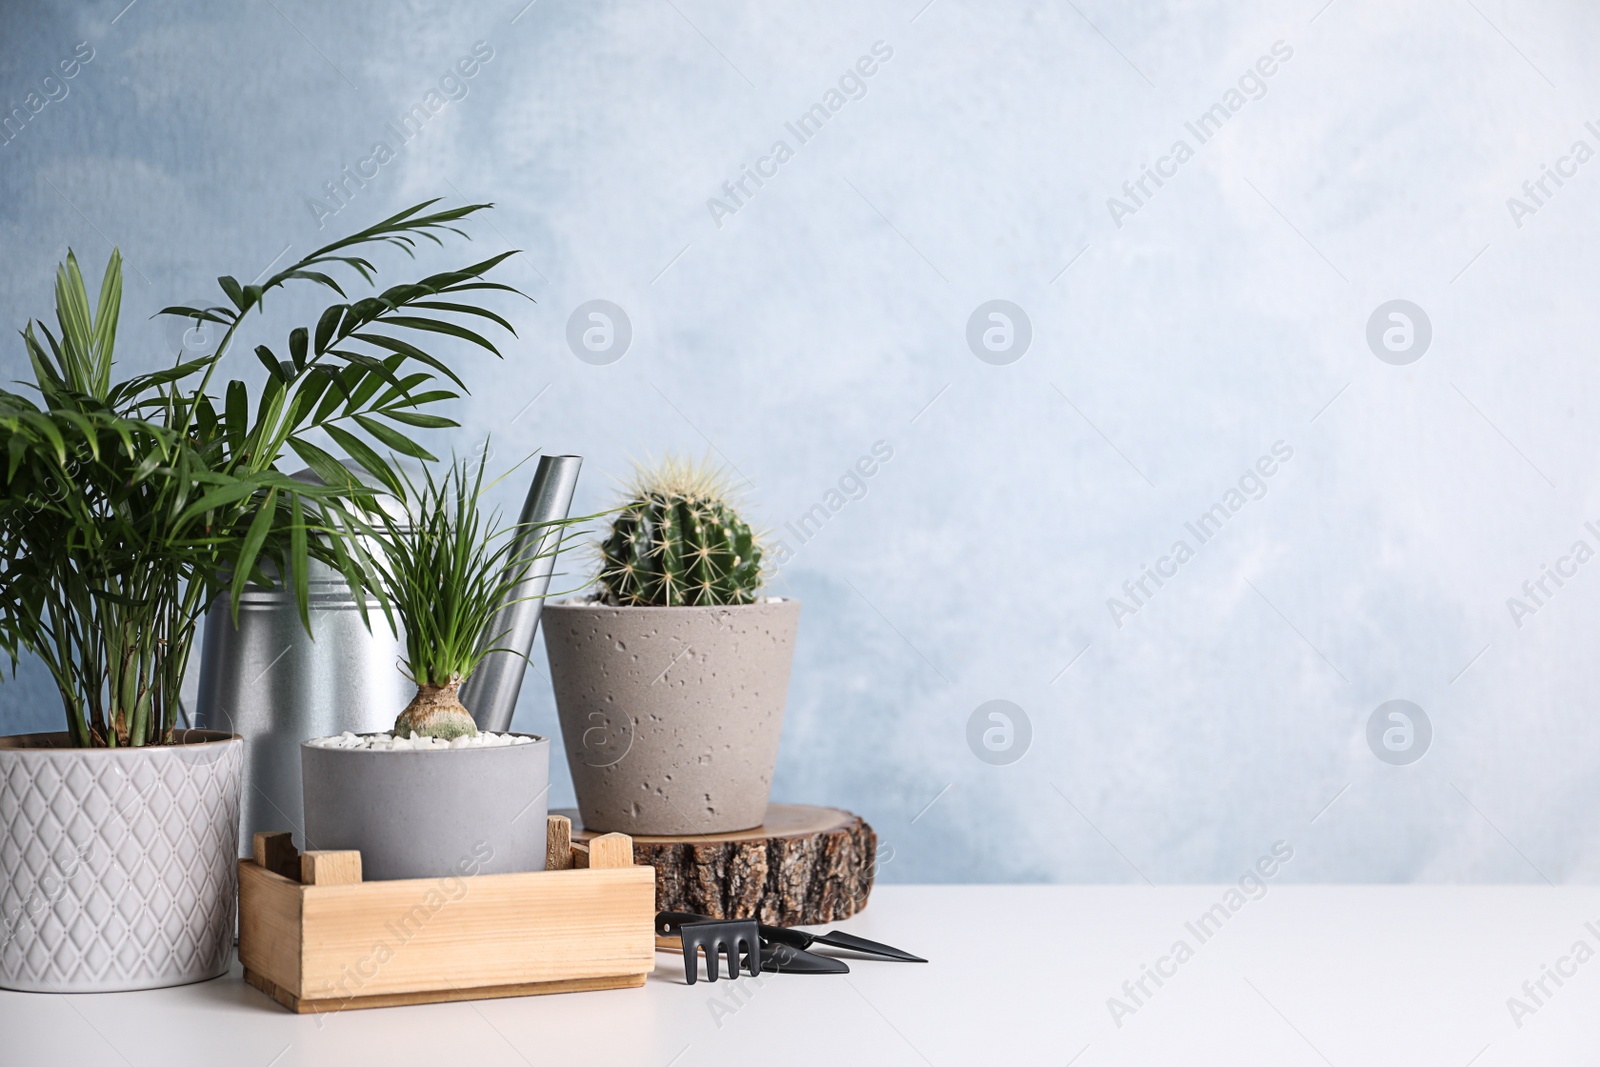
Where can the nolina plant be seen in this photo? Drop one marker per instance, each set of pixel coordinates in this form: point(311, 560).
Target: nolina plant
point(445, 569)
point(678, 540)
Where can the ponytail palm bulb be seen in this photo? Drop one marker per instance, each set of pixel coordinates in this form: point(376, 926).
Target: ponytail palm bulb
point(678, 540)
point(445, 569)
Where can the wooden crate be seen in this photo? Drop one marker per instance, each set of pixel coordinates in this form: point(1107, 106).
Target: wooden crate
point(316, 938)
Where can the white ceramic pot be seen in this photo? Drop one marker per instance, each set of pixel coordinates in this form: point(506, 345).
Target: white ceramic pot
point(671, 716)
point(117, 866)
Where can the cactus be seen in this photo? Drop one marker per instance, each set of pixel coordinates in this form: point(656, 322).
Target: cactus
point(678, 540)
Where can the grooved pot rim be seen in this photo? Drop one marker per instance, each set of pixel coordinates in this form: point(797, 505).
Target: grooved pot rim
point(60, 741)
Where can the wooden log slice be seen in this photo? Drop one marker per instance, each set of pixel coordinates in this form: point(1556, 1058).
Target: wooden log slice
point(802, 865)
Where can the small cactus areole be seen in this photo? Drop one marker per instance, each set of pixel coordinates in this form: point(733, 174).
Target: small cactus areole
point(678, 541)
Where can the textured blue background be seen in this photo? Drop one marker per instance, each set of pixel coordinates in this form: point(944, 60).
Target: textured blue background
point(830, 312)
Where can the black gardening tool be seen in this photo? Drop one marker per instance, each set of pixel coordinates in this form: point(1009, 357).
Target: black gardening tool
point(799, 939)
point(735, 940)
point(739, 941)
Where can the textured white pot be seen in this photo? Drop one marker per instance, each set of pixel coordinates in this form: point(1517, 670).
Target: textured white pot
point(117, 866)
point(671, 716)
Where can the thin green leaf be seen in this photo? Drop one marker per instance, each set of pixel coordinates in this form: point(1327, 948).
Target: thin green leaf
point(206, 314)
point(403, 387)
point(411, 322)
point(297, 346)
point(306, 394)
point(371, 364)
point(275, 367)
point(231, 286)
point(226, 495)
point(77, 331)
point(373, 381)
point(418, 419)
point(105, 320)
point(363, 454)
point(326, 325)
point(341, 383)
point(464, 309)
point(323, 465)
point(236, 414)
point(299, 561)
point(245, 565)
point(393, 438)
point(406, 348)
point(315, 276)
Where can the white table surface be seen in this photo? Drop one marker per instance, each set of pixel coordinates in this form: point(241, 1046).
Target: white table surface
point(1347, 975)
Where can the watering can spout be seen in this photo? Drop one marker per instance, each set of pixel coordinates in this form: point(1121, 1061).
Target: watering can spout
point(491, 692)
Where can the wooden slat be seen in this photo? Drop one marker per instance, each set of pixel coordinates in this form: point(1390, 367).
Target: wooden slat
point(611, 851)
point(439, 996)
point(269, 923)
point(426, 935)
point(281, 994)
point(330, 868)
point(580, 856)
point(275, 852)
point(558, 844)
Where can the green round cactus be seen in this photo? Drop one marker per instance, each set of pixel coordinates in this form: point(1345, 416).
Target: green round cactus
point(679, 541)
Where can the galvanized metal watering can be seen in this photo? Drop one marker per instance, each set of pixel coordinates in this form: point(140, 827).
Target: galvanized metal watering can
point(269, 681)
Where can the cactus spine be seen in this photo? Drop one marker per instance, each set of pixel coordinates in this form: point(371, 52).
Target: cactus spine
point(678, 540)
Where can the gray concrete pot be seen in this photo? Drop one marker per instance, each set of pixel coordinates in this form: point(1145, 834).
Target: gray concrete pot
point(430, 814)
point(671, 716)
point(117, 866)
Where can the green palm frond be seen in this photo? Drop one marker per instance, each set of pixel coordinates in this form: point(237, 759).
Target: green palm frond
point(130, 505)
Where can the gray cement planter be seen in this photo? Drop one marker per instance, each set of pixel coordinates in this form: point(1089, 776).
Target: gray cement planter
point(117, 866)
point(671, 716)
point(430, 814)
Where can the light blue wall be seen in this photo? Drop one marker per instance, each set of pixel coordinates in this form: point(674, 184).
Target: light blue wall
point(1171, 348)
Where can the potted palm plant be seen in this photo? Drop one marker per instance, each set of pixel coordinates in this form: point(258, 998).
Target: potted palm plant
point(435, 796)
point(670, 682)
point(128, 506)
